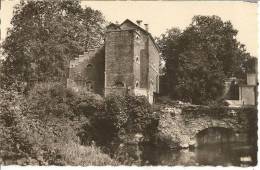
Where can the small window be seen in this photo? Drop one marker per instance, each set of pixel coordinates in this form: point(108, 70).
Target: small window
point(119, 84)
point(137, 59)
point(89, 66)
point(89, 85)
point(137, 84)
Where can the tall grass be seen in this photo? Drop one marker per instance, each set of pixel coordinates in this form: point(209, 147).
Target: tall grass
point(75, 154)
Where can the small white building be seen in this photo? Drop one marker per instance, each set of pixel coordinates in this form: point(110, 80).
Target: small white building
point(248, 91)
point(242, 94)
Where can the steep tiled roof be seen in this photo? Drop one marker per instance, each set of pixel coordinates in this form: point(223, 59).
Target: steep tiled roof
point(115, 26)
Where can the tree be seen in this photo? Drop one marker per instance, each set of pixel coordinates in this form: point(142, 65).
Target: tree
point(118, 120)
point(199, 58)
point(252, 65)
point(45, 35)
point(42, 128)
point(167, 44)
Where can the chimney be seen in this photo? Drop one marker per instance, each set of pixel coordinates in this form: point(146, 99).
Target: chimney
point(139, 22)
point(146, 27)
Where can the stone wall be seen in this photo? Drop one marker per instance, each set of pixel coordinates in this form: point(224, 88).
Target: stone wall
point(153, 77)
point(238, 93)
point(179, 126)
point(247, 94)
point(140, 60)
point(86, 73)
point(251, 79)
point(129, 64)
point(118, 60)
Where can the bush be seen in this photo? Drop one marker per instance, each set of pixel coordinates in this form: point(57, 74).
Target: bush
point(130, 115)
point(122, 118)
point(20, 133)
point(74, 154)
point(51, 100)
point(34, 130)
point(47, 126)
point(88, 104)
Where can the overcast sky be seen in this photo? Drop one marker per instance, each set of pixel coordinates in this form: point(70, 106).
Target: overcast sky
point(164, 15)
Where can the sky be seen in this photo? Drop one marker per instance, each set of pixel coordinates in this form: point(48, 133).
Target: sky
point(163, 15)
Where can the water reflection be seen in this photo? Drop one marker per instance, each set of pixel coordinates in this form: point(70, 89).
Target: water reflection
point(235, 154)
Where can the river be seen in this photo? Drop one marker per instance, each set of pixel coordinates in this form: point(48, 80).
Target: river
point(228, 154)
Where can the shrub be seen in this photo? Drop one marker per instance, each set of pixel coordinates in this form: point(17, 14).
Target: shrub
point(42, 128)
point(88, 104)
point(20, 133)
point(51, 100)
point(130, 114)
point(74, 154)
point(122, 117)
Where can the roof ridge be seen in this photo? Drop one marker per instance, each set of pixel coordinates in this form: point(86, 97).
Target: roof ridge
point(134, 24)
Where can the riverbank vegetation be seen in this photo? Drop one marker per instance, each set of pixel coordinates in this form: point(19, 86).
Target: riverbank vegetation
point(53, 125)
point(41, 128)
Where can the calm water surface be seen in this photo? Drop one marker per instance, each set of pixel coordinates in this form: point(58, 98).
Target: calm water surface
point(231, 154)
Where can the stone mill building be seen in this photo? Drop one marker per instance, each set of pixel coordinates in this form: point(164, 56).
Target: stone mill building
point(128, 63)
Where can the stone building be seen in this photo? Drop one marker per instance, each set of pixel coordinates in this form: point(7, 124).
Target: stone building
point(239, 93)
point(248, 91)
point(86, 73)
point(127, 64)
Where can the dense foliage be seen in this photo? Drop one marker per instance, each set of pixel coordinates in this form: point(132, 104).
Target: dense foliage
point(35, 129)
point(252, 65)
point(131, 115)
point(122, 118)
point(199, 58)
point(45, 35)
